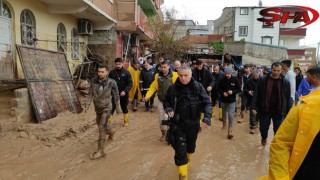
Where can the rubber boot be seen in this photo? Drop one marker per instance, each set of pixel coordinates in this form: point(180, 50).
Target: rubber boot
point(213, 112)
point(220, 114)
point(110, 120)
point(189, 156)
point(201, 117)
point(163, 135)
point(135, 105)
point(126, 120)
point(183, 172)
point(230, 135)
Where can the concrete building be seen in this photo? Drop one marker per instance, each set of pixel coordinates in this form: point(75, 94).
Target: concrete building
point(110, 28)
point(241, 24)
point(189, 27)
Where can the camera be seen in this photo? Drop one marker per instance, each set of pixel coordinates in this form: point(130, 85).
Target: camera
point(166, 122)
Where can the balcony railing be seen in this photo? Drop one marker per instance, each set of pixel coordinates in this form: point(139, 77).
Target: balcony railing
point(293, 32)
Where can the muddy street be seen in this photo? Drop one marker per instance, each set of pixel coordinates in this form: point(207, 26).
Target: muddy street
point(60, 148)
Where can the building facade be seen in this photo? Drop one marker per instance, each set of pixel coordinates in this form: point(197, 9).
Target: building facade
point(242, 25)
point(109, 28)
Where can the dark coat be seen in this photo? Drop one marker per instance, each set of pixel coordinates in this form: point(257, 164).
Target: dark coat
point(259, 98)
point(229, 84)
point(204, 77)
point(123, 79)
point(147, 77)
point(250, 85)
point(190, 100)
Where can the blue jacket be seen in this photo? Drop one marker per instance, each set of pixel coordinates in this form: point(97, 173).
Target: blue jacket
point(304, 88)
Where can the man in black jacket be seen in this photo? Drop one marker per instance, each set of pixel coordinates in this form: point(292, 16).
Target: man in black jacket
point(204, 77)
point(272, 100)
point(228, 88)
point(183, 103)
point(217, 75)
point(249, 88)
point(124, 83)
point(146, 78)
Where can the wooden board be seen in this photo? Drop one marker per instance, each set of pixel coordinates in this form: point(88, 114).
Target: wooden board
point(49, 82)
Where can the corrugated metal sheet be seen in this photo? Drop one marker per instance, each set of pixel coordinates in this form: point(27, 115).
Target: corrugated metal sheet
point(49, 82)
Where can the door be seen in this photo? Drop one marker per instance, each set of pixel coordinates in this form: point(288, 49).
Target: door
point(6, 58)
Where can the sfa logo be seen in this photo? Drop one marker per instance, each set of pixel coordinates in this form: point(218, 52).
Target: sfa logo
point(283, 13)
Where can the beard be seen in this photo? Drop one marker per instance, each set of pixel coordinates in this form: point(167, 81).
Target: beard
point(102, 77)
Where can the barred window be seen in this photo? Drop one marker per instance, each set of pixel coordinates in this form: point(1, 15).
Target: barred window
point(28, 27)
point(75, 44)
point(5, 10)
point(61, 38)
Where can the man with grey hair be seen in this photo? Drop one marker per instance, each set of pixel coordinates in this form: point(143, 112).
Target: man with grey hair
point(183, 103)
point(249, 88)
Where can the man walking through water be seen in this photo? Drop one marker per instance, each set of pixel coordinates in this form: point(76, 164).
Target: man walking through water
point(102, 90)
point(183, 103)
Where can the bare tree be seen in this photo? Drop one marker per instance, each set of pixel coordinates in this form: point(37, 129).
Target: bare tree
point(165, 39)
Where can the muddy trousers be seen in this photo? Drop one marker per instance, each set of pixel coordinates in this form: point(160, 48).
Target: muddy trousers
point(184, 143)
point(104, 129)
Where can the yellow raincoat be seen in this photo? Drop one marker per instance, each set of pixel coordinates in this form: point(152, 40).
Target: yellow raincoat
point(135, 74)
point(155, 86)
point(293, 139)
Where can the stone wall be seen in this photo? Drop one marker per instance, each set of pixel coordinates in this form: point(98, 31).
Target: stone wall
point(21, 107)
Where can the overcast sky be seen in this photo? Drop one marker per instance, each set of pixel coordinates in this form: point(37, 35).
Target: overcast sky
point(203, 10)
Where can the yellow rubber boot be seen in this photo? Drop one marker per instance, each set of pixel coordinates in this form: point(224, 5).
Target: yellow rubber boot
point(183, 172)
point(220, 113)
point(213, 112)
point(201, 117)
point(110, 120)
point(189, 156)
point(126, 120)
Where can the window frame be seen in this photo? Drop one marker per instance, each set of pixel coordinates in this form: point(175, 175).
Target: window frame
point(266, 37)
point(61, 38)
point(27, 27)
point(75, 51)
point(244, 8)
point(245, 34)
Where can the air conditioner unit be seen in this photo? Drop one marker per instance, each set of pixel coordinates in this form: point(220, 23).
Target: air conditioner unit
point(85, 27)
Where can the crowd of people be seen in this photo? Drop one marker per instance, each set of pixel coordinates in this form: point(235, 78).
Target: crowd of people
point(188, 93)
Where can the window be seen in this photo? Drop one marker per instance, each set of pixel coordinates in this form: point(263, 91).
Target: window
point(266, 40)
point(4, 10)
point(244, 11)
point(243, 30)
point(28, 27)
point(74, 44)
point(61, 38)
point(265, 25)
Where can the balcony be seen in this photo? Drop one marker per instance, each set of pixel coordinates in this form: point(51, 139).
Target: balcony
point(101, 13)
point(301, 32)
point(293, 52)
point(126, 16)
point(143, 29)
point(150, 7)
